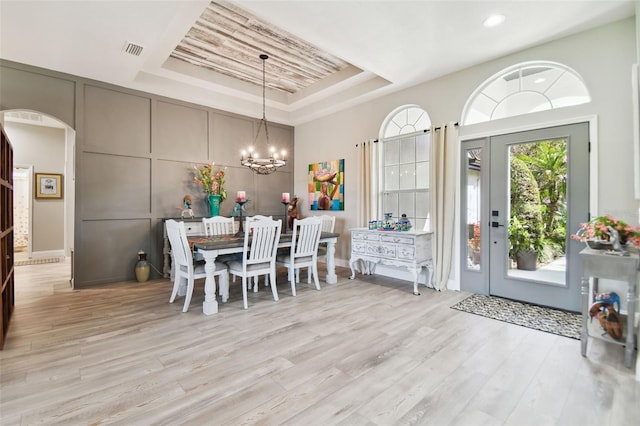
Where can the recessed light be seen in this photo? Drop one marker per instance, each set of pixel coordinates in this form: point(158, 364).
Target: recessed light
point(539, 80)
point(493, 20)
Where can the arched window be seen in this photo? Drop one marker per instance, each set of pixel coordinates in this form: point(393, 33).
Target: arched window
point(525, 88)
point(404, 166)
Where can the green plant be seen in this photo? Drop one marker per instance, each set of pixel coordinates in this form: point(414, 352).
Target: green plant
point(212, 181)
point(525, 224)
point(547, 160)
point(522, 238)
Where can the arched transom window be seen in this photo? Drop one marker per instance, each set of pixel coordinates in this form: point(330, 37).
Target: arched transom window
point(523, 89)
point(406, 119)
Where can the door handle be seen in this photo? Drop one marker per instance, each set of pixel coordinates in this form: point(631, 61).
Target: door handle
point(495, 224)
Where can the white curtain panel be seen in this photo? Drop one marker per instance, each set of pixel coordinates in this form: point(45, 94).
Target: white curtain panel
point(368, 159)
point(443, 161)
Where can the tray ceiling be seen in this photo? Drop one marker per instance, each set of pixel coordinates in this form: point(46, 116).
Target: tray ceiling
point(325, 56)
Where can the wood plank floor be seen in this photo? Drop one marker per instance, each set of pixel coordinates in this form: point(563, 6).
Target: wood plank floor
point(360, 352)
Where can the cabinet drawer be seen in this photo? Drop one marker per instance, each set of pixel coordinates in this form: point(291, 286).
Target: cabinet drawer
point(366, 236)
point(358, 247)
point(194, 228)
point(398, 239)
point(387, 251)
point(406, 252)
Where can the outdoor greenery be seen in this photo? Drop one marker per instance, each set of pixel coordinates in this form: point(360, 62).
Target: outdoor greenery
point(525, 224)
point(546, 161)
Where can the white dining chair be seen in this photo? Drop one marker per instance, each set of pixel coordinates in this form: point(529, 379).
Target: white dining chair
point(304, 249)
point(328, 225)
point(186, 269)
point(256, 279)
point(261, 240)
point(218, 225)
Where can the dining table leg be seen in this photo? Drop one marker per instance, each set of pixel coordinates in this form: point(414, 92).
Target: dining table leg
point(331, 277)
point(210, 305)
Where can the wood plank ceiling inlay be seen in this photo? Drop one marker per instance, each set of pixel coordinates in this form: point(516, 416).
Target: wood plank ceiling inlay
point(229, 40)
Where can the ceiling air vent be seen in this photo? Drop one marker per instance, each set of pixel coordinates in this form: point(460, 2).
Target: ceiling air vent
point(133, 49)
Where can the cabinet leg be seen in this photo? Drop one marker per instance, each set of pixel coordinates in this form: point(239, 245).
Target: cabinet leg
point(631, 309)
point(584, 337)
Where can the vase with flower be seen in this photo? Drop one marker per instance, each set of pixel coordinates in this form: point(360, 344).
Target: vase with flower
point(607, 233)
point(212, 182)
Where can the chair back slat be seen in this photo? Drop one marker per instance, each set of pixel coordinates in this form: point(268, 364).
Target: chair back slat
point(218, 225)
point(180, 249)
point(306, 236)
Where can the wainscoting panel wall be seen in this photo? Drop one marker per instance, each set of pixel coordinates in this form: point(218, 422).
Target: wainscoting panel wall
point(106, 249)
point(115, 122)
point(135, 154)
point(181, 132)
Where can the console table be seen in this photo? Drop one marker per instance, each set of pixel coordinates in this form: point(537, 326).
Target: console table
point(597, 264)
point(411, 250)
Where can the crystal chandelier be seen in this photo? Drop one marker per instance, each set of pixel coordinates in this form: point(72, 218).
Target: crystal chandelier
point(250, 158)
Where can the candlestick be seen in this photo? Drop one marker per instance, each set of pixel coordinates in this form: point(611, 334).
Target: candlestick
point(286, 214)
point(240, 233)
point(285, 197)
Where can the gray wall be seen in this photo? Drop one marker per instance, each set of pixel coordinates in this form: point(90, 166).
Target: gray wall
point(135, 154)
point(43, 148)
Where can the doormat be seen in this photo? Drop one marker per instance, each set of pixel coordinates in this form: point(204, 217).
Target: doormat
point(555, 321)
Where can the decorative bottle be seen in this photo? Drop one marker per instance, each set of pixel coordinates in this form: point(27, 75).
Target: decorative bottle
point(142, 267)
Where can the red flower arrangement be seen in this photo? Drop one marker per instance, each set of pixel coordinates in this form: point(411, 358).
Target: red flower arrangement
point(598, 229)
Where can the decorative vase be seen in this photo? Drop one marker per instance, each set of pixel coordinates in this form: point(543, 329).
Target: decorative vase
point(214, 204)
point(142, 267)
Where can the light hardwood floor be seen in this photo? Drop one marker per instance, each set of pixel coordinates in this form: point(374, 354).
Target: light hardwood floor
point(361, 352)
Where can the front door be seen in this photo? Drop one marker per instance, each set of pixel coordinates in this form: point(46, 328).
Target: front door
point(538, 187)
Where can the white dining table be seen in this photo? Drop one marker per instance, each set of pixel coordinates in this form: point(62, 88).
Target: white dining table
point(212, 247)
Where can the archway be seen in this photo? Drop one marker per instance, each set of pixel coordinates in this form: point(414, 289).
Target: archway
point(44, 145)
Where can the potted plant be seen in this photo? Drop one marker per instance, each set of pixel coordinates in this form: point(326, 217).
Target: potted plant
point(212, 183)
point(525, 244)
point(598, 232)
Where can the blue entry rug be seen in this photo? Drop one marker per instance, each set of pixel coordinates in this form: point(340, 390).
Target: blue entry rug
point(567, 324)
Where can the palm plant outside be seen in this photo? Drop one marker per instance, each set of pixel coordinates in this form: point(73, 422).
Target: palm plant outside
point(547, 161)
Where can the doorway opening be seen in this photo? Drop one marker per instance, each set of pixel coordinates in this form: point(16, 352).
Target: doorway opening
point(44, 226)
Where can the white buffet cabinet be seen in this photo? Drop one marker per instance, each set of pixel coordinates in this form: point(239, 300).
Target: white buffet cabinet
point(411, 250)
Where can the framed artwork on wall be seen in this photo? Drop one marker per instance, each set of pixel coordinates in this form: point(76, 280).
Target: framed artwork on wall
point(48, 185)
point(326, 185)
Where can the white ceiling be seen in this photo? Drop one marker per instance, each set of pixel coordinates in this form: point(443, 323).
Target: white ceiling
point(390, 45)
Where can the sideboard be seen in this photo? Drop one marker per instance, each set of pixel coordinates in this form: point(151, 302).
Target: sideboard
point(411, 250)
point(600, 264)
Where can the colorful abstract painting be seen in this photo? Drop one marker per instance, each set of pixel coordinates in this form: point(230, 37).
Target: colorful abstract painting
point(326, 185)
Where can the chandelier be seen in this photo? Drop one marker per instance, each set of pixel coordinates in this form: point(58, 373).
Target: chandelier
point(250, 158)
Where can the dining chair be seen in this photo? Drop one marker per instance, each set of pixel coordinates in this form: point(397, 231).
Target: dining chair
point(186, 268)
point(328, 225)
point(304, 249)
point(218, 225)
point(256, 279)
point(259, 254)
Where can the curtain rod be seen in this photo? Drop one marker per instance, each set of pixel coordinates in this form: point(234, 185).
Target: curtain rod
point(425, 131)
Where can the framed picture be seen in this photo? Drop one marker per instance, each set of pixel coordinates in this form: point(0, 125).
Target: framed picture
point(326, 185)
point(48, 185)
